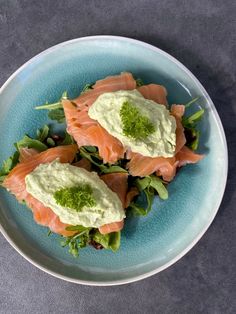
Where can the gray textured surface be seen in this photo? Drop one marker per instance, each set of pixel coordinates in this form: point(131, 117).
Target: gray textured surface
point(201, 34)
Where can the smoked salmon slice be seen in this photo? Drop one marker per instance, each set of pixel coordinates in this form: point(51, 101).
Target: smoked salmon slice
point(87, 131)
point(178, 111)
point(124, 81)
point(118, 183)
point(15, 180)
point(154, 92)
point(130, 195)
point(15, 183)
point(112, 227)
point(83, 163)
point(166, 167)
point(187, 156)
point(46, 217)
point(26, 153)
point(144, 166)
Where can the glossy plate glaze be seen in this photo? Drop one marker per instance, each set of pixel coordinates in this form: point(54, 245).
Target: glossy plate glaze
point(149, 244)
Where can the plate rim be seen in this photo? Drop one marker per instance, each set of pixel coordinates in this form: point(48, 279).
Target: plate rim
point(223, 138)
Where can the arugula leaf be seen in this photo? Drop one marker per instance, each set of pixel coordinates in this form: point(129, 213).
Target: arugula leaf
point(191, 102)
point(189, 123)
point(76, 242)
point(192, 137)
point(8, 165)
point(91, 149)
point(29, 142)
point(2, 177)
point(154, 182)
point(193, 119)
point(53, 106)
point(137, 210)
point(158, 185)
point(142, 184)
point(68, 139)
point(149, 193)
point(108, 241)
point(42, 134)
point(148, 186)
point(51, 142)
point(84, 152)
point(56, 111)
point(57, 114)
point(86, 88)
point(139, 82)
point(112, 169)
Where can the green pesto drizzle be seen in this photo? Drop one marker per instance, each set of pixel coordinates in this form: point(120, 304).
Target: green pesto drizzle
point(134, 124)
point(75, 197)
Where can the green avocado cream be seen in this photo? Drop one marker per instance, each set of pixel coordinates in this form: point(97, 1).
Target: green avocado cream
point(77, 196)
point(140, 124)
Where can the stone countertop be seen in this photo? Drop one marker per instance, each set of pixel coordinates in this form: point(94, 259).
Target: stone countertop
point(201, 34)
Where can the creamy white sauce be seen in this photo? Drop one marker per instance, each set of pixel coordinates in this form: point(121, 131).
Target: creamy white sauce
point(48, 178)
point(161, 143)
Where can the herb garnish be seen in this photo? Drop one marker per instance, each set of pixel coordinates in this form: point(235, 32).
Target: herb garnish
point(75, 197)
point(134, 124)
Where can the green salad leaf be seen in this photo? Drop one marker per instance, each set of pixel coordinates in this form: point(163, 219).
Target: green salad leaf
point(57, 114)
point(91, 153)
point(139, 82)
point(29, 142)
point(8, 165)
point(192, 137)
point(53, 106)
point(193, 119)
point(148, 186)
point(152, 182)
point(112, 169)
point(25, 142)
point(86, 88)
point(50, 142)
point(68, 139)
point(77, 242)
point(192, 101)
point(86, 236)
point(91, 149)
point(108, 241)
point(189, 123)
point(41, 142)
point(42, 134)
point(56, 111)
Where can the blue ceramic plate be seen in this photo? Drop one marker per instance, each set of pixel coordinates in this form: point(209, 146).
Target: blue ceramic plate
point(172, 228)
